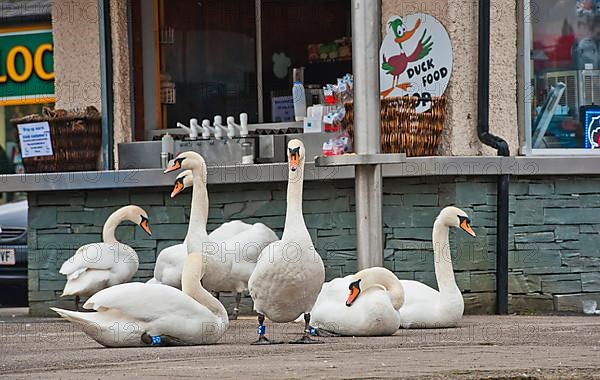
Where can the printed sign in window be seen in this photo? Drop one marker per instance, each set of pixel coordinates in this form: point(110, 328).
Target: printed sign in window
point(35, 139)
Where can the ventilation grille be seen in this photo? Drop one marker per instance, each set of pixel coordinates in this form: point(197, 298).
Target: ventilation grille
point(10, 234)
point(591, 87)
point(569, 78)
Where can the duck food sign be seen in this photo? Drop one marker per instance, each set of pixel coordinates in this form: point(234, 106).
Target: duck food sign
point(415, 58)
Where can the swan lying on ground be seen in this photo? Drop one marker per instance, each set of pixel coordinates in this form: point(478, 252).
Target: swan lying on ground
point(138, 314)
point(370, 309)
point(425, 307)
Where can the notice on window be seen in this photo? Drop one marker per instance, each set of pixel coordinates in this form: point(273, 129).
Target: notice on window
point(35, 139)
point(282, 109)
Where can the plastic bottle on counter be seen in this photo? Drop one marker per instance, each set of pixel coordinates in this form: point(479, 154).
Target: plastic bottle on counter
point(167, 150)
point(299, 98)
point(247, 153)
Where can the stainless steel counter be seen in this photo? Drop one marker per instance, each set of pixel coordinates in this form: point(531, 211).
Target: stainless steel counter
point(412, 167)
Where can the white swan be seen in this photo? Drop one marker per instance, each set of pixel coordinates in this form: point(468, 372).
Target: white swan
point(138, 314)
point(169, 263)
point(425, 307)
point(289, 273)
point(229, 262)
point(371, 308)
point(96, 266)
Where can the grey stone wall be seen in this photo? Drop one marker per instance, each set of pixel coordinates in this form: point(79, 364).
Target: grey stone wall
point(555, 222)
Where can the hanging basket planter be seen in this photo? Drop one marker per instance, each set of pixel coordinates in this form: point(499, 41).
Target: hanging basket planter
point(403, 129)
point(76, 138)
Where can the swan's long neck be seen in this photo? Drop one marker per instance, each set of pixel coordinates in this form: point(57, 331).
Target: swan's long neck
point(383, 277)
point(193, 270)
point(111, 224)
point(294, 219)
point(443, 259)
point(199, 209)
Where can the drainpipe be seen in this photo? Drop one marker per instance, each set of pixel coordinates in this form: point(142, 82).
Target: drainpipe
point(483, 131)
point(106, 77)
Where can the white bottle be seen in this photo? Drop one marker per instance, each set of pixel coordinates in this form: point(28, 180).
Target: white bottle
point(167, 151)
point(299, 98)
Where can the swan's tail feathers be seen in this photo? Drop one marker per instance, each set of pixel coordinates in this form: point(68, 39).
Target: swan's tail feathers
point(73, 316)
point(92, 324)
point(153, 281)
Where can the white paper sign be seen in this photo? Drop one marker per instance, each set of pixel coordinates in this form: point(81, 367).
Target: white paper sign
point(415, 58)
point(282, 109)
point(35, 139)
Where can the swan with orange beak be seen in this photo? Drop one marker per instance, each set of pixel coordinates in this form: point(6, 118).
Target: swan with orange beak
point(232, 249)
point(289, 273)
point(113, 262)
point(425, 307)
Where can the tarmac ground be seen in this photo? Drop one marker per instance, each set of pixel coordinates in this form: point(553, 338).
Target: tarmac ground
point(511, 347)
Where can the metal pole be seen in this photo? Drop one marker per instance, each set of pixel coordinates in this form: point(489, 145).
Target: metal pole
point(259, 62)
point(366, 25)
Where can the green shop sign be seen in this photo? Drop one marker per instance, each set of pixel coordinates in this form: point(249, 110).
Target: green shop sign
point(26, 65)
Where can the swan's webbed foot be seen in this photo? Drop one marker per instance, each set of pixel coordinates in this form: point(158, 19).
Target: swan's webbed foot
point(152, 340)
point(161, 340)
point(262, 340)
point(77, 303)
point(323, 333)
point(306, 339)
point(308, 331)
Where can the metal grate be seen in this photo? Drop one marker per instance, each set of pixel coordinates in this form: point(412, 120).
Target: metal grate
point(11, 233)
point(569, 78)
point(591, 87)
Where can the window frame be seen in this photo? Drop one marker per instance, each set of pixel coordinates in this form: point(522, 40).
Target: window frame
point(526, 90)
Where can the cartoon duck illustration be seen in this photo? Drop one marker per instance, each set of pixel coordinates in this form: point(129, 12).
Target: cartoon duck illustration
point(397, 64)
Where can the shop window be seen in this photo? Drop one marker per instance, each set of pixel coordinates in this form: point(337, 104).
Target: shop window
point(562, 77)
point(206, 55)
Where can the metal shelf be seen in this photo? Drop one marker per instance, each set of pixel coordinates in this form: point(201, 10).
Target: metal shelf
point(361, 159)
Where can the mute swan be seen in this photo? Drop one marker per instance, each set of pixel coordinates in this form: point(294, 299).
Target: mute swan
point(371, 309)
point(289, 273)
point(425, 307)
point(96, 266)
point(229, 263)
point(138, 314)
point(169, 263)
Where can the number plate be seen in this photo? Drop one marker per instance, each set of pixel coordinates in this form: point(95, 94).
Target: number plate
point(7, 256)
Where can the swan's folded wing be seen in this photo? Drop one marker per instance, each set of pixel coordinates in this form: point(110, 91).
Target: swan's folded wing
point(251, 242)
point(228, 230)
point(96, 256)
point(170, 258)
point(144, 301)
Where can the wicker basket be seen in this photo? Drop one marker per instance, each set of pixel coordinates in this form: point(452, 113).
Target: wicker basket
point(403, 130)
point(76, 138)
